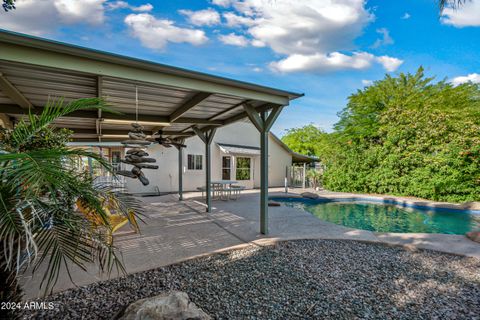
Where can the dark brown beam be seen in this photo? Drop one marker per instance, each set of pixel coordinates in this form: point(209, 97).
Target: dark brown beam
point(227, 110)
point(125, 132)
point(219, 114)
point(189, 104)
point(244, 114)
point(200, 121)
point(12, 92)
point(16, 110)
point(94, 140)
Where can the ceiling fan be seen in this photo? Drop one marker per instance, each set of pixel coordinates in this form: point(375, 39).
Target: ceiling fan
point(165, 141)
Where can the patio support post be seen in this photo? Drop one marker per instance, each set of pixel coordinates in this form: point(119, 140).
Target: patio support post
point(304, 175)
point(180, 170)
point(207, 137)
point(263, 123)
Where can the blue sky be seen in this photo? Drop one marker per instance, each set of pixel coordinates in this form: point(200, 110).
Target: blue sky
point(327, 49)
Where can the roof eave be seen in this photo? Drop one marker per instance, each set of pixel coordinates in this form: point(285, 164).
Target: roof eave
point(75, 50)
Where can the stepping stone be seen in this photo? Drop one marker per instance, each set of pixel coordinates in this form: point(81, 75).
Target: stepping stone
point(145, 166)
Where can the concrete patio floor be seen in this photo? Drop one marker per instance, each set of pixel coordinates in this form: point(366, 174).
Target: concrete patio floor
point(176, 231)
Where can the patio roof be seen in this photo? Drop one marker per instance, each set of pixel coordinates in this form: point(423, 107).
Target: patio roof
point(33, 70)
point(180, 102)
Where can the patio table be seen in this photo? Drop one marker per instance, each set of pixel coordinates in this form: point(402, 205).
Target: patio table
point(219, 188)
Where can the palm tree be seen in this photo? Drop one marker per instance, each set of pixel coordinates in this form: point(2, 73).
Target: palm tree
point(451, 3)
point(8, 5)
point(39, 186)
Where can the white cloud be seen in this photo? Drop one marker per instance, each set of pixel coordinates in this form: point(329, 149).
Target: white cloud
point(467, 15)
point(234, 40)
point(71, 11)
point(222, 3)
point(389, 63)
point(367, 83)
point(41, 17)
point(335, 61)
point(305, 27)
point(312, 35)
point(406, 16)
point(207, 17)
point(385, 40)
point(156, 33)
point(258, 43)
point(234, 20)
point(320, 63)
point(472, 77)
point(125, 5)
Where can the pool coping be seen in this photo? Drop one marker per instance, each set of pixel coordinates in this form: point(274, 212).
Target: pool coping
point(406, 203)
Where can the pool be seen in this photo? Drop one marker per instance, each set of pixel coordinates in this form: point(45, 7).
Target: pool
point(381, 217)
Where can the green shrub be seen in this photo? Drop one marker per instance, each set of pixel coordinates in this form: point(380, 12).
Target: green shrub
point(407, 136)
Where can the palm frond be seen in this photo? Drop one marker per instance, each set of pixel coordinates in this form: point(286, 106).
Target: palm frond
point(40, 186)
point(54, 109)
point(16, 231)
point(69, 240)
point(454, 4)
point(43, 171)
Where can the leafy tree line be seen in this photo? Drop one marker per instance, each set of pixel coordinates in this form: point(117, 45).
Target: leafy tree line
point(403, 135)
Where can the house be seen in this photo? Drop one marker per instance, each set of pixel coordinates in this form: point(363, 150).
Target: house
point(34, 71)
point(235, 156)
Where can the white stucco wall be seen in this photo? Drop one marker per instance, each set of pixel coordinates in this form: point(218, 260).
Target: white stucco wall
point(239, 133)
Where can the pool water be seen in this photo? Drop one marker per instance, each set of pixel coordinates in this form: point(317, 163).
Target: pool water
point(386, 217)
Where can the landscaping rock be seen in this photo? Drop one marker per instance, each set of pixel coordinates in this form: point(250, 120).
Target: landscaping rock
point(306, 279)
point(309, 195)
point(474, 236)
point(175, 305)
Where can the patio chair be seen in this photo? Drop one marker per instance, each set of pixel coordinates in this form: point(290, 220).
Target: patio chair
point(235, 192)
point(218, 192)
point(115, 220)
point(202, 189)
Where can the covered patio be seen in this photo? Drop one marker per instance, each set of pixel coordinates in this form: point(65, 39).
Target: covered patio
point(177, 231)
point(181, 103)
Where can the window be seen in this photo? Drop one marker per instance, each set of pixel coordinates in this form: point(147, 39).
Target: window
point(243, 168)
point(195, 162)
point(226, 168)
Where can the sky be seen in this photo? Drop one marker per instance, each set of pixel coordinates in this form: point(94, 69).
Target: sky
point(326, 49)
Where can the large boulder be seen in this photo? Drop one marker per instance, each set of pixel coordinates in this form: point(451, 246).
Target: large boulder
point(309, 195)
point(174, 305)
point(474, 236)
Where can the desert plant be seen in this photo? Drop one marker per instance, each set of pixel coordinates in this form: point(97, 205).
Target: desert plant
point(40, 183)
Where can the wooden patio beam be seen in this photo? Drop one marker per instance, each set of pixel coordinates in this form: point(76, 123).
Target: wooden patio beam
point(244, 114)
point(12, 92)
point(80, 131)
point(188, 105)
point(17, 110)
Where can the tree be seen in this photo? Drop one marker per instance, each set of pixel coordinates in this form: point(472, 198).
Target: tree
point(407, 135)
point(305, 140)
point(40, 184)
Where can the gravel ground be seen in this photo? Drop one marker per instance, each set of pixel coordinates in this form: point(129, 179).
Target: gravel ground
point(307, 279)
